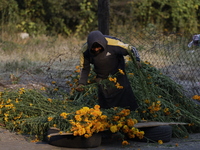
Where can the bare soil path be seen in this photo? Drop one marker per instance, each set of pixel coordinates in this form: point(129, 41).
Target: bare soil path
point(12, 141)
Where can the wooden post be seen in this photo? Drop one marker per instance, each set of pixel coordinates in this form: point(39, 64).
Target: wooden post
point(103, 16)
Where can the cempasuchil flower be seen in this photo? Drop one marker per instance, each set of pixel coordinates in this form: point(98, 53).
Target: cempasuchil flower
point(121, 71)
point(113, 129)
point(125, 143)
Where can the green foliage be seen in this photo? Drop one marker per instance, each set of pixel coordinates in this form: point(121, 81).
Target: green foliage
point(9, 11)
point(166, 15)
point(88, 14)
point(80, 16)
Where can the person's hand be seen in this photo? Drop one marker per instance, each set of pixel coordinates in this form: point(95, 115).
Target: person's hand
point(80, 88)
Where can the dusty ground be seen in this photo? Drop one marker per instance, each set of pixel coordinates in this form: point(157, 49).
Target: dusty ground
point(12, 141)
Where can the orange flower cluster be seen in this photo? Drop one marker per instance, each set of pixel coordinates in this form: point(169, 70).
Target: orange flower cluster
point(166, 111)
point(88, 121)
point(160, 142)
point(155, 107)
point(125, 143)
point(50, 118)
point(64, 115)
point(112, 79)
point(115, 81)
point(78, 70)
point(119, 86)
point(121, 71)
point(21, 91)
point(196, 97)
point(125, 124)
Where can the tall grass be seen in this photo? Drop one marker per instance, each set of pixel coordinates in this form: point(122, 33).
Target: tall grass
point(43, 50)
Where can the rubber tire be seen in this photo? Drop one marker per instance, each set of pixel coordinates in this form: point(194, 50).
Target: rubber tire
point(71, 141)
point(153, 134)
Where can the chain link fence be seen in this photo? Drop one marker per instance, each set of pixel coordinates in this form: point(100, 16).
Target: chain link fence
point(170, 54)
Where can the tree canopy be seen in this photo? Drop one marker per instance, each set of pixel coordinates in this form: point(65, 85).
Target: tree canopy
point(80, 16)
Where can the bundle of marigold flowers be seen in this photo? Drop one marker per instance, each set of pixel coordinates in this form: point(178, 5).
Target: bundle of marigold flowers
point(87, 121)
point(30, 112)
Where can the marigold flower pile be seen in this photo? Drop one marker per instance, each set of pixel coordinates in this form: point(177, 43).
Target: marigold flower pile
point(87, 121)
point(35, 119)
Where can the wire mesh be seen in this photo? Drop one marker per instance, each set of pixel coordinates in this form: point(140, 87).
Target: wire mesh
point(170, 54)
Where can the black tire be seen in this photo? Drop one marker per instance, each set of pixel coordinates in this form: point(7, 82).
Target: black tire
point(153, 134)
point(71, 141)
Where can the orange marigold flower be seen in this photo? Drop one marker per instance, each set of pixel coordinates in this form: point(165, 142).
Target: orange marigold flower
point(115, 118)
point(121, 71)
point(160, 142)
point(97, 107)
point(130, 122)
point(78, 118)
point(112, 79)
point(87, 135)
point(64, 115)
point(147, 101)
point(140, 134)
point(103, 117)
point(113, 129)
point(125, 129)
point(144, 111)
point(75, 133)
point(125, 143)
point(49, 99)
point(77, 71)
point(131, 74)
point(50, 118)
point(60, 132)
point(53, 82)
point(43, 89)
point(166, 110)
point(56, 89)
point(196, 97)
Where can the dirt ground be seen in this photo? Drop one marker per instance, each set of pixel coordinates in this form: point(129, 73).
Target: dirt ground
point(12, 141)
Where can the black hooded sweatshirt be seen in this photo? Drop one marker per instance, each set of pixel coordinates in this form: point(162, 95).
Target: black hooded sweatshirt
point(108, 62)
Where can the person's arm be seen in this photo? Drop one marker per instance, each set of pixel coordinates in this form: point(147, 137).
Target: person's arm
point(84, 66)
point(125, 49)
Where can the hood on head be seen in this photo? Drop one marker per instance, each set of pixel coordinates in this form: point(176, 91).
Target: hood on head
point(96, 37)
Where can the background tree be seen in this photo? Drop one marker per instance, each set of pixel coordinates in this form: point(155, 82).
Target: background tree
point(103, 16)
point(79, 17)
